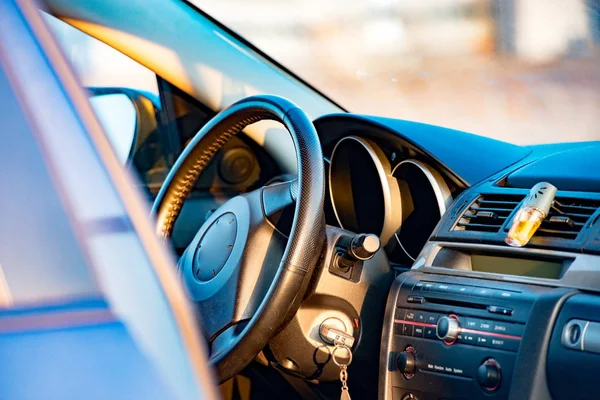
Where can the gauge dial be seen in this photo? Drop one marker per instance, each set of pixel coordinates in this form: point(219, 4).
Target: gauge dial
point(364, 194)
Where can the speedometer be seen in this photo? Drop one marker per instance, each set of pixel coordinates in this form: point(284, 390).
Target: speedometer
point(364, 194)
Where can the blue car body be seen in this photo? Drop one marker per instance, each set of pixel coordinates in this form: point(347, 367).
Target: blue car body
point(89, 303)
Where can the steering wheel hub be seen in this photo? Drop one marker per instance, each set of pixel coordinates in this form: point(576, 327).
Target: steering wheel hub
point(215, 247)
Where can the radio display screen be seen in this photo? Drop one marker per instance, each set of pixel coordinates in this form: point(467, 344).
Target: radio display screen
point(517, 266)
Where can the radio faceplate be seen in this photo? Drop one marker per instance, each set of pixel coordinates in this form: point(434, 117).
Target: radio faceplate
point(458, 329)
point(452, 334)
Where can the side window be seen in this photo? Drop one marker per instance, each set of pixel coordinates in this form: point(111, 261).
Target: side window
point(149, 121)
point(98, 64)
point(127, 100)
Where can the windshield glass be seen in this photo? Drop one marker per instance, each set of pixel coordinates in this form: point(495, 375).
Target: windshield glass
point(522, 71)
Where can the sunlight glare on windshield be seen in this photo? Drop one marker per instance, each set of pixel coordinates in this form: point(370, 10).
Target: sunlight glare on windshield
point(523, 71)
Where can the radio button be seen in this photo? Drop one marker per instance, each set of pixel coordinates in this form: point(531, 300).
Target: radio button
point(504, 344)
point(507, 328)
point(432, 318)
point(483, 340)
point(472, 323)
point(418, 331)
point(458, 289)
point(505, 294)
point(468, 338)
point(484, 325)
point(428, 287)
point(421, 317)
point(500, 327)
point(429, 333)
point(442, 287)
point(485, 292)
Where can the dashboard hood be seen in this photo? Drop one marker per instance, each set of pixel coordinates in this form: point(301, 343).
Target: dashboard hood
point(470, 157)
point(573, 169)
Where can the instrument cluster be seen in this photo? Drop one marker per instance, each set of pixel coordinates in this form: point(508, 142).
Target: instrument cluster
point(399, 199)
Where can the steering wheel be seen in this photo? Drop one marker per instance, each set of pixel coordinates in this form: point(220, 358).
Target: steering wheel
point(246, 277)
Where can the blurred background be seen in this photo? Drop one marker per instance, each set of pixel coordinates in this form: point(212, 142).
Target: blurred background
point(523, 71)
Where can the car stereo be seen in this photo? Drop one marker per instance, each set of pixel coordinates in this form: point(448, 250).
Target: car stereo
point(447, 337)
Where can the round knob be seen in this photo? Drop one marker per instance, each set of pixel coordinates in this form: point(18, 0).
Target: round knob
point(448, 328)
point(406, 362)
point(364, 246)
point(488, 375)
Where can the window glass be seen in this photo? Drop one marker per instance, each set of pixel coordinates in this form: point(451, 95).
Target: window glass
point(126, 98)
point(523, 71)
point(147, 120)
point(98, 64)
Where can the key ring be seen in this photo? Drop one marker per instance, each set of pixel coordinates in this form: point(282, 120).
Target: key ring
point(335, 349)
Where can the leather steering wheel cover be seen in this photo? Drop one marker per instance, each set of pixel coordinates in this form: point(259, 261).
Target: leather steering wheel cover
point(307, 233)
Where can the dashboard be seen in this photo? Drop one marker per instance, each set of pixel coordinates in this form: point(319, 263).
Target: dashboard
point(473, 318)
point(466, 317)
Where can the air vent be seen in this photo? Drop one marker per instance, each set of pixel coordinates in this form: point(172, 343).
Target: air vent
point(567, 217)
point(488, 212)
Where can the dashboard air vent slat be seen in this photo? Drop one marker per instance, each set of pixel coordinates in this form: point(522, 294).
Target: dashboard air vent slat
point(488, 212)
point(567, 217)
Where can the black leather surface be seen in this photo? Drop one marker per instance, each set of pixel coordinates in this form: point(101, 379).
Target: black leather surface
point(307, 234)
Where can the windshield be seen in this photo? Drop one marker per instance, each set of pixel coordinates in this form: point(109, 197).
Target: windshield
point(522, 71)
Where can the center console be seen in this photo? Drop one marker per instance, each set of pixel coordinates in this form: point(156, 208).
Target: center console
point(454, 335)
point(475, 318)
point(473, 333)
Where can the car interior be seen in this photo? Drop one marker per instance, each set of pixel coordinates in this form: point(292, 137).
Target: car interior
point(326, 251)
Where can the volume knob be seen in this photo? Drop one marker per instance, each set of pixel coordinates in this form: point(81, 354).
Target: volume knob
point(406, 362)
point(448, 329)
point(488, 375)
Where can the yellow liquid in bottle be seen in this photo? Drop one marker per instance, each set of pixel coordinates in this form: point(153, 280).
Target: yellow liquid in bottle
point(525, 224)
